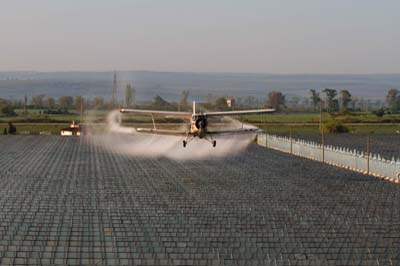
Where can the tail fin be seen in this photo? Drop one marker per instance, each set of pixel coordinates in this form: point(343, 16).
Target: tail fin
point(194, 107)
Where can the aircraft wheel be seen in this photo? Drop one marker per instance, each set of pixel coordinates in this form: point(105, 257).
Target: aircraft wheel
point(184, 143)
point(214, 143)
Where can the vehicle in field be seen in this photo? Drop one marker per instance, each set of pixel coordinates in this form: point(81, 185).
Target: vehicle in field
point(198, 125)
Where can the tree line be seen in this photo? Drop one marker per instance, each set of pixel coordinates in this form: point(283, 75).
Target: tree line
point(63, 104)
point(329, 100)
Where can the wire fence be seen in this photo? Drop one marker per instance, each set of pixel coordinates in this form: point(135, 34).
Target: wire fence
point(377, 155)
point(386, 145)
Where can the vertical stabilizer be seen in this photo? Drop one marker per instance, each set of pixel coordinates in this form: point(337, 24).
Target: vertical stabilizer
point(194, 107)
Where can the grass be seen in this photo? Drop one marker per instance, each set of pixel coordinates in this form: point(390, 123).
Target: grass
point(40, 119)
point(93, 116)
point(35, 123)
point(355, 129)
point(287, 128)
point(375, 129)
point(314, 118)
point(281, 118)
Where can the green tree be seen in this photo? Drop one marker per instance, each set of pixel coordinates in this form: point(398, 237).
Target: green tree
point(130, 95)
point(220, 104)
point(160, 103)
point(276, 100)
point(37, 101)
point(305, 104)
point(334, 126)
point(50, 103)
point(6, 108)
point(355, 101)
point(294, 101)
point(79, 104)
point(333, 104)
point(393, 100)
point(315, 98)
point(98, 103)
point(345, 98)
point(66, 102)
point(379, 112)
point(251, 102)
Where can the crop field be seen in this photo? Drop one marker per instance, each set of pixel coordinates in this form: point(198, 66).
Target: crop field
point(68, 201)
point(387, 145)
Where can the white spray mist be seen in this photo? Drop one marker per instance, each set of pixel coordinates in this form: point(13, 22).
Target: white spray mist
point(127, 140)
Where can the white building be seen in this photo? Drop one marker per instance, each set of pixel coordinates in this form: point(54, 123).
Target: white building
point(72, 130)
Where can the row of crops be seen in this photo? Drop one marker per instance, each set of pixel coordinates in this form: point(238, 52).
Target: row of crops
point(69, 201)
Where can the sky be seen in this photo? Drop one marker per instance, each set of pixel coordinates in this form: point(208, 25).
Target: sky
point(252, 36)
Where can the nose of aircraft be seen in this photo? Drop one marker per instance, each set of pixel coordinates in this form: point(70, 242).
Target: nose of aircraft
point(201, 123)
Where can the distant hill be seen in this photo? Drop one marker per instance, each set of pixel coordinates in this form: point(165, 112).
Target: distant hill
point(170, 84)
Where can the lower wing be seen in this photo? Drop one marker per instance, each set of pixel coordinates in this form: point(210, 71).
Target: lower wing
point(234, 131)
point(161, 132)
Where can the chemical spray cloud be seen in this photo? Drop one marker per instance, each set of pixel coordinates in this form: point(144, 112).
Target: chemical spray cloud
point(127, 140)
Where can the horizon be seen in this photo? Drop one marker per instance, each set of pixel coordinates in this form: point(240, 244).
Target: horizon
point(202, 72)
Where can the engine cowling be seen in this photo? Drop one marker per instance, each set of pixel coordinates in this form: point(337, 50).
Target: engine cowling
point(201, 123)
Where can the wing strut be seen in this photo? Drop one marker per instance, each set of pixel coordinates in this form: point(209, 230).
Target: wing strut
point(154, 123)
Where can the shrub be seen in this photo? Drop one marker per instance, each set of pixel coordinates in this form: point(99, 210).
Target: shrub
point(7, 110)
point(335, 127)
point(380, 112)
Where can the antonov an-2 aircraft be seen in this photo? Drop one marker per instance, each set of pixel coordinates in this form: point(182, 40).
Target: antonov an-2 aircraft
point(198, 123)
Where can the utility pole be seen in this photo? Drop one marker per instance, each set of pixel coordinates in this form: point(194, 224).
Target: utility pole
point(82, 99)
point(368, 152)
point(323, 145)
point(291, 141)
point(114, 91)
point(320, 113)
point(25, 103)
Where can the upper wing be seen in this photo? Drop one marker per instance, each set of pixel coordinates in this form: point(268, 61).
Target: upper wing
point(233, 131)
point(244, 112)
point(161, 131)
point(156, 112)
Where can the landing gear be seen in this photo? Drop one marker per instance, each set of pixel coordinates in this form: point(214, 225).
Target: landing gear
point(208, 138)
point(212, 141)
point(188, 139)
